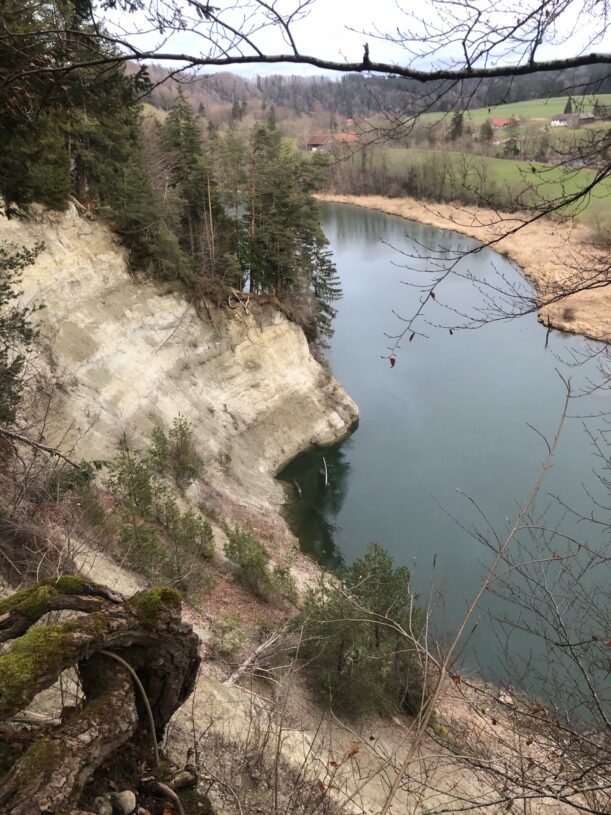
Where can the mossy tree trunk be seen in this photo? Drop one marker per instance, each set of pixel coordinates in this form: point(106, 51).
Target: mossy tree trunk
point(146, 631)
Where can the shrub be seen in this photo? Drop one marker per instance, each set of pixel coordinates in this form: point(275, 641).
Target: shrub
point(189, 542)
point(176, 454)
point(156, 537)
point(357, 660)
point(284, 584)
point(228, 641)
point(250, 555)
point(131, 480)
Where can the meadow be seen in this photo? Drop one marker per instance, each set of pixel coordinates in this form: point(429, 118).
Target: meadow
point(529, 109)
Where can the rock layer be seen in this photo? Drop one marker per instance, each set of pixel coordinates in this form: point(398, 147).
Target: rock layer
point(128, 355)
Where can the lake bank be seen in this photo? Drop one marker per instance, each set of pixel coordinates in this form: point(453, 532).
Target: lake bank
point(548, 253)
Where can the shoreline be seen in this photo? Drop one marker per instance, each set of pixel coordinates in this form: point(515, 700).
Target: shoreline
point(546, 252)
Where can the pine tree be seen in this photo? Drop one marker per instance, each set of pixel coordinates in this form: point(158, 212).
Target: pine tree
point(326, 289)
point(80, 135)
point(286, 250)
point(486, 132)
point(16, 330)
point(457, 127)
point(271, 120)
point(355, 657)
point(204, 229)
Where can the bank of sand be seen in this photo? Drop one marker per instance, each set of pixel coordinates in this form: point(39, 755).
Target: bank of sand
point(552, 255)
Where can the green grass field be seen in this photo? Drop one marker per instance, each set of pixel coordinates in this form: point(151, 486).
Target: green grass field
point(531, 109)
point(549, 183)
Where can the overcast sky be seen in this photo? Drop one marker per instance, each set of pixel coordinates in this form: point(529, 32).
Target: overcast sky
point(333, 30)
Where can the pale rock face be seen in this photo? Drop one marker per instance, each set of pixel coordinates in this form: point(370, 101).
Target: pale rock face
point(130, 356)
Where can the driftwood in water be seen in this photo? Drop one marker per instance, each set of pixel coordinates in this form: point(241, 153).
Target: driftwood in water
point(146, 631)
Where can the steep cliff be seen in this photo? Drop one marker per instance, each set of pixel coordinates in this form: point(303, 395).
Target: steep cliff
point(128, 355)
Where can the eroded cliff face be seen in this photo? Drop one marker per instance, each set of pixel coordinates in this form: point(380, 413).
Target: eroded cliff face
point(129, 355)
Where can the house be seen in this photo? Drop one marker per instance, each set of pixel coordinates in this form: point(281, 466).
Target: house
point(562, 120)
point(573, 120)
point(326, 141)
point(317, 142)
point(499, 124)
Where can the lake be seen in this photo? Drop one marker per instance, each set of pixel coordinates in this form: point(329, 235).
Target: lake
point(452, 414)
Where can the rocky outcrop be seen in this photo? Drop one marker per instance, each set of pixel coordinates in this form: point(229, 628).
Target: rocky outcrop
point(129, 354)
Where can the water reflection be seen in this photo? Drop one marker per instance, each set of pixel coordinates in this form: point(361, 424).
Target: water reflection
point(315, 504)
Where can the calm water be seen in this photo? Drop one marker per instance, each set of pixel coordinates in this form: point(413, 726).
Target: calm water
point(452, 414)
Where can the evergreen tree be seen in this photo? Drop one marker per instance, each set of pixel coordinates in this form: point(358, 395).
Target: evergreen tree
point(356, 656)
point(457, 126)
point(80, 135)
point(204, 229)
point(568, 108)
point(271, 120)
point(285, 247)
point(326, 289)
point(16, 331)
point(236, 112)
point(486, 132)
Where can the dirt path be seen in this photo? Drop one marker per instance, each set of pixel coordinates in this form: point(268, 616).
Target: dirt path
point(549, 253)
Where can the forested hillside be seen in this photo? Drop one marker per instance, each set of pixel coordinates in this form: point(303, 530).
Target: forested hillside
point(354, 95)
point(214, 211)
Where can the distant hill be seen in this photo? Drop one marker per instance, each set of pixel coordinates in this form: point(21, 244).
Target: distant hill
point(354, 95)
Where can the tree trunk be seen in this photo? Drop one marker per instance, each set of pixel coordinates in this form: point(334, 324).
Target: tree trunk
point(146, 631)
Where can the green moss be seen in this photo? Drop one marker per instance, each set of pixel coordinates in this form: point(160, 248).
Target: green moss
point(39, 760)
point(32, 602)
point(38, 652)
point(148, 605)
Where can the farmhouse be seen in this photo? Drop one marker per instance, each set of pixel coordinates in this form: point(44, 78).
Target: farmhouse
point(325, 141)
point(572, 119)
point(499, 124)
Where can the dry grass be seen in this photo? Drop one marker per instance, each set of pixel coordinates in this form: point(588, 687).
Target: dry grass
point(549, 253)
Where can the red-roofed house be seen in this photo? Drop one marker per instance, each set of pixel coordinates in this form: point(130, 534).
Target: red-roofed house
point(499, 124)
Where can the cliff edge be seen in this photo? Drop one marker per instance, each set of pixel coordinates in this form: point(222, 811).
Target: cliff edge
point(131, 354)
